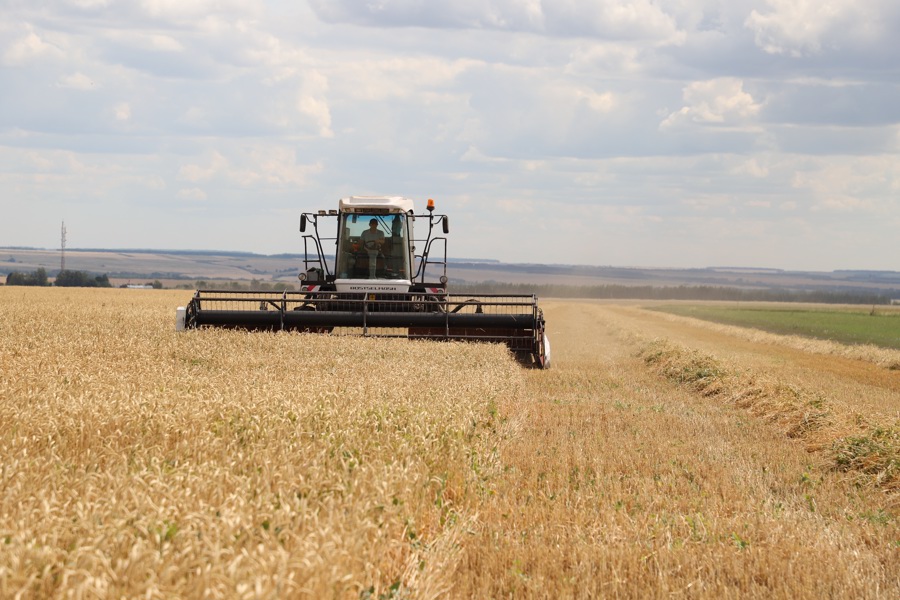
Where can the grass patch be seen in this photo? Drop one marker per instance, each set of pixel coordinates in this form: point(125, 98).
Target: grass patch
point(860, 326)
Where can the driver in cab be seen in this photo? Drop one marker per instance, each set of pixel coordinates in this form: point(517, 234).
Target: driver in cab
point(372, 239)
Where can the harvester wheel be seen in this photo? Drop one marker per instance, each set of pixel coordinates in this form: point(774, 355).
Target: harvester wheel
point(542, 356)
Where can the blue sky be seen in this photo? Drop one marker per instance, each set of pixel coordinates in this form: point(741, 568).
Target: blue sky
point(684, 133)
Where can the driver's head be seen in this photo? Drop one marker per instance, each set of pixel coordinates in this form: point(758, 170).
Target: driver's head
point(373, 223)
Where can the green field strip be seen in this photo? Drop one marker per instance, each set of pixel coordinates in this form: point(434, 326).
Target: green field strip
point(843, 326)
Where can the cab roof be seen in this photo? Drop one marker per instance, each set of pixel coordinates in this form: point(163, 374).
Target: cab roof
point(396, 204)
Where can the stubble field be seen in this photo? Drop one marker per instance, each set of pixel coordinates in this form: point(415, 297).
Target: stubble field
point(661, 456)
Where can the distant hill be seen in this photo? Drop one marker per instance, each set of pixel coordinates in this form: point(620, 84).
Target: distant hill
point(172, 266)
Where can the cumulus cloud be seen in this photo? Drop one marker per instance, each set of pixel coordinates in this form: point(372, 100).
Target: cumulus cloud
point(312, 102)
point(77, 81)
point(849, 184)
point(30, 47)
point(612, 19)
point(147, 41)
point(188, 11)
point(250, 165)
point(721, 102)
point(606, 58)
point(213, 165)
point(801, 27)
point(464, 13)
point(192, 194)
point(122, 111)
point(88, 4)
point(647, 123)
point(751, 167)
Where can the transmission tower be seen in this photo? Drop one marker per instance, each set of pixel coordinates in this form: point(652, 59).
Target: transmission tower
point(62, 247)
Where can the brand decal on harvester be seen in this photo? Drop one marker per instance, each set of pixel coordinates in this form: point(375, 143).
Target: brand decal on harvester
point(373, 288)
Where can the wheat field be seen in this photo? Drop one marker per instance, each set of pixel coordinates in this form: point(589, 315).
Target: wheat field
point(658, 458)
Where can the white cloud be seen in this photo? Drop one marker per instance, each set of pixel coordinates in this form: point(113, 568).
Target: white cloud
point(475, 155)
point(800, 27)
point(602, 57)
point(275, 166)
point(215, 165)
point(851, 184)
point(195, 116)
point(151, 182)
point(380, 78)
point(77, 81)
point(601, 102)
point(249, 165)
point(192, 194)
point(39, 161)
point(191, 10)
point(720, 101)
point(122, 111)
point(317, 109)
point(149, 41)
point(705, 203)
point(89, 4)
point(515, 206)
point(283, 58)
point(28, 48)
point(751, 167)
point(758, 204)
point(641, 131)
point(313, 102)
point(614, 19)
point(842, 203)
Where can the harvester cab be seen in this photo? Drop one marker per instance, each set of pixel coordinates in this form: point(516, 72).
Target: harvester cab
point(382, 280)
point(375, 248)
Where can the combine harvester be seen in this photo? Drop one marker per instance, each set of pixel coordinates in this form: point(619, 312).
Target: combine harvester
point(377, 285)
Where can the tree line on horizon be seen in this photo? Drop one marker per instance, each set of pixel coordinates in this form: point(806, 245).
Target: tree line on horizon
point(65, 278)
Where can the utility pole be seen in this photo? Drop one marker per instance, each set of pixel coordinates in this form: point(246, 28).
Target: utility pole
point(62, 247)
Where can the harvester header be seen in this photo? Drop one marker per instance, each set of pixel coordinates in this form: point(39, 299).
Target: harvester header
point(387, 277)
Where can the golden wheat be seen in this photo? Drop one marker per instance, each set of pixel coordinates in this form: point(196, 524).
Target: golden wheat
point(140, 462)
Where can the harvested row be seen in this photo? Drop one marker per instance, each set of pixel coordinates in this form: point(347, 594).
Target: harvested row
point(135, 461)
point(871, 450)
point(624, 484)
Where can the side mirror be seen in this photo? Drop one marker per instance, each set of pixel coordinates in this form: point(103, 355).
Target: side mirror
point(302, 223)
point(446, 225)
